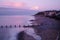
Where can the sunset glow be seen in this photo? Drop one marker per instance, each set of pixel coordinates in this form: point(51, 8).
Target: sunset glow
point(31, 4)
point(18, 5)
point(35, 8)
point(13, 4)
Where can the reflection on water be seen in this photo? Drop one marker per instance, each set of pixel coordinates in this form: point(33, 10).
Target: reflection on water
point(11, 33)
point(15, 20)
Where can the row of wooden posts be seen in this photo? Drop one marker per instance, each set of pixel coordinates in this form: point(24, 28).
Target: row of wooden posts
point(16, 26)
point(10, 26)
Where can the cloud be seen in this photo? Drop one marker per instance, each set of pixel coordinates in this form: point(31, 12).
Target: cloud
point(13, 4)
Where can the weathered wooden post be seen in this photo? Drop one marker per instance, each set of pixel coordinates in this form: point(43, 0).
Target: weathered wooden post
point(19, 26)
point(6, 26)
point(1, 26)
point(15, 26)
point(10, 26)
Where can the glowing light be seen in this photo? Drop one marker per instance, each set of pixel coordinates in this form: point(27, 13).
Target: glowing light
point(17, 5)
point(35, 8)
point(13, 4)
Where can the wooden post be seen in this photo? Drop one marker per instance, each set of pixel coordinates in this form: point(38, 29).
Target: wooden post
point(19, 26)
point(10, 26)
point(15, 26)
point(6, 26)
point(1, 26)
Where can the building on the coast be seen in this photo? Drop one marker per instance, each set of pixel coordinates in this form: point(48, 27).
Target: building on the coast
point(45, 14)
point(48, 24)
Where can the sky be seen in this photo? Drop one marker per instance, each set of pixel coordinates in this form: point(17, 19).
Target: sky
point(31, 4)
point(40, 5)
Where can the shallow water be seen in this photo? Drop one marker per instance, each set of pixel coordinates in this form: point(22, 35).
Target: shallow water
point(11, 33)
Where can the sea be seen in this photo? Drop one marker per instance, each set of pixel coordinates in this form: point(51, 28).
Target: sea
point(11, 33)
point(15, 19)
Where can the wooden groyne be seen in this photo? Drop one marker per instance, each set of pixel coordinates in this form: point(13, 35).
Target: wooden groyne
point(10, 26)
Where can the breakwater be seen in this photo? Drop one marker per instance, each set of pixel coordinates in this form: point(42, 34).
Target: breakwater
point(9, 26)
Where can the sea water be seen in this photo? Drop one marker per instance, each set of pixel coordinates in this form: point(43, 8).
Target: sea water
point(11, 33)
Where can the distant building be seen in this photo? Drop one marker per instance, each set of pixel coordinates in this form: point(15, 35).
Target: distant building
point(44, 15)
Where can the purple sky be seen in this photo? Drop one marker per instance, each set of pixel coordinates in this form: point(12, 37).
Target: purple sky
point(27, 4)
point(32, 4)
